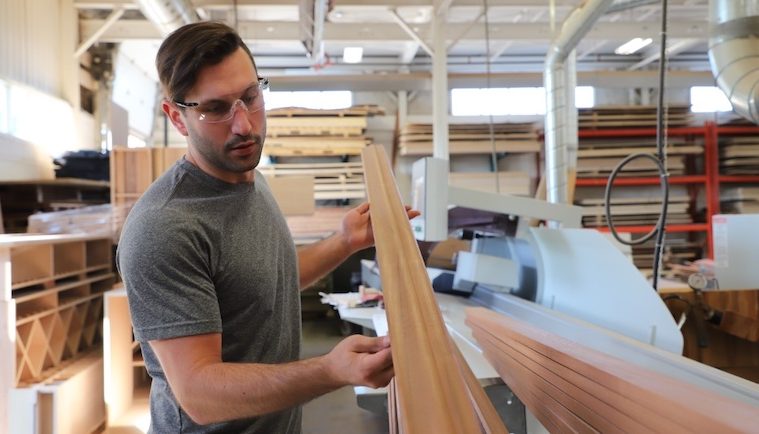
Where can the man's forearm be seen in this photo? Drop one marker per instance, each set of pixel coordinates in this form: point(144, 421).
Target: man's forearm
point(320, 258)
point(226, 391)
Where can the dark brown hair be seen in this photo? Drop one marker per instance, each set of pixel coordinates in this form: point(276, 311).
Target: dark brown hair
point(189, 49)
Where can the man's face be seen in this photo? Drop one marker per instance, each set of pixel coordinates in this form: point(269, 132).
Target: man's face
point(228, 149)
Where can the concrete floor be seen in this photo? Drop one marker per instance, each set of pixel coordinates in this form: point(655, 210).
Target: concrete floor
point(336, 412)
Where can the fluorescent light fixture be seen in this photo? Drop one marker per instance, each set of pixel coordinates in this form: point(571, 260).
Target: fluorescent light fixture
point(352, 54)
point(632, 46)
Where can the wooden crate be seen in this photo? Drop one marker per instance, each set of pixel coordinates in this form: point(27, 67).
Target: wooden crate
point(51, 305)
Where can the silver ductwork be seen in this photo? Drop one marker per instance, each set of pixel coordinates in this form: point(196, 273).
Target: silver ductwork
point(168, 15)
point(559, 81)
point(734, 53)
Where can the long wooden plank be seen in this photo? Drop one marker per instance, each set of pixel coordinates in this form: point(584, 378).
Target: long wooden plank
point(432, 397)
point(693, 408)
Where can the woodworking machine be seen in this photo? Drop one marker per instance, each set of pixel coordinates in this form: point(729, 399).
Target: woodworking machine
point(566, 280)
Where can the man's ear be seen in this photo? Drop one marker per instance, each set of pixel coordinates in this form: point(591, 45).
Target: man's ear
point(175, 116)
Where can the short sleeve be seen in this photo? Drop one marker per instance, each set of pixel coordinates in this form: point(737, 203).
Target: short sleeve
point(164, 260)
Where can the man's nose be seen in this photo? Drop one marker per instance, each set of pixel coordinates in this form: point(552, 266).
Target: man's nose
point(241, 124)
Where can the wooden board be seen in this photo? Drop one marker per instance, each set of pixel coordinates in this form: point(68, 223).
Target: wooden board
point(513, 183)
point(294, 194)
point(356, 110)
point(432, 395)
point(613, 393)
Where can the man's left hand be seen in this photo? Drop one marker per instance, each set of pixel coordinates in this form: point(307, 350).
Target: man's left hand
point(357, 227)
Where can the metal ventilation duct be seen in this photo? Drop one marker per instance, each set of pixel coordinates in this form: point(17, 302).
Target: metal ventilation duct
point(168, 15)
point(560, 79)
point(734, 53)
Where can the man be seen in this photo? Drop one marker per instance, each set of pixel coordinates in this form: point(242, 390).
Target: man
point(211, 272)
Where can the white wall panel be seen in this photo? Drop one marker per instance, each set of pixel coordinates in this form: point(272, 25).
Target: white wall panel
point(30, 48)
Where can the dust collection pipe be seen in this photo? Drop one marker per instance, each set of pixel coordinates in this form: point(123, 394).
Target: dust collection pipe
point(168, 15)
point(558, 83)
point(734, 53)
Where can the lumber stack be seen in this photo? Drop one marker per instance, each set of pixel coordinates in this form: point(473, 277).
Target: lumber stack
point(570, 387)
point(331, 180)
point(508, 182)
point(740, 200)
point(416, 139)
point(132, 172)
point(597, 157)
point(305, 132)
point(635, 211)
point(631, 116)
point(739, 156)
point(434, 390)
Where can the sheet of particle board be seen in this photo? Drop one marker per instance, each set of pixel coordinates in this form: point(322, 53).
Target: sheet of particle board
point(294, 194)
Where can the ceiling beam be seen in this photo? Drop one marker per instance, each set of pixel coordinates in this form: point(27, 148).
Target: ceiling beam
point(423, 80)
point(673, 50)
point(357, 32)
point(409, 31)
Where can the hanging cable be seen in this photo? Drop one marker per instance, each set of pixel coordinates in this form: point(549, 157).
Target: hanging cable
point(493, 153)
point(661, 164)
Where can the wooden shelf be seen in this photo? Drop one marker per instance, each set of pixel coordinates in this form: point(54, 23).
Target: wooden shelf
point(642, 229)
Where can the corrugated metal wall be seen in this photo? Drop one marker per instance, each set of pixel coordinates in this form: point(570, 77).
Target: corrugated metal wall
point(30, 42)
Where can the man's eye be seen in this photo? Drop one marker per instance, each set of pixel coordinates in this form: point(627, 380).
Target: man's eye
point(215, 109)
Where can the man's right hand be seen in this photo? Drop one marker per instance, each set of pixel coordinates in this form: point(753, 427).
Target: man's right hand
point(361, 361)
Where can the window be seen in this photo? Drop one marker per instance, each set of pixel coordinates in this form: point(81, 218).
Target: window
point(510, 101)
point(707, 99)
point(333, 99)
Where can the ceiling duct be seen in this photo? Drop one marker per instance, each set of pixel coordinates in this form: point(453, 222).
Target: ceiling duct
point(560, 79)
point(734, 53)
point(168, 15)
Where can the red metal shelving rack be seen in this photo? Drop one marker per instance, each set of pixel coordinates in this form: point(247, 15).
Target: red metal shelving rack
point(710, 162)
point(714, 132)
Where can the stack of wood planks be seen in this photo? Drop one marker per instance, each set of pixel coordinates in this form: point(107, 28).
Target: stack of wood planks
point(309, 132)
point(508, 182)
point(331, 180)
point(739, 156)
point(740, 200)
point(631, 116)
point(132, 172)
point(570, 387)
point(416, 139)
point(434, 389)
point(679, 249)
point(633, 211)
point(598, 156)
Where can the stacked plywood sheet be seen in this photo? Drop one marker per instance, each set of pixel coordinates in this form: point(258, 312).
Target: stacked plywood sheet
point(416, 139)
point(597, 157)
point(331, 180)
point(308, 132)
point(740, 200)
point(512, 183)
point(678, 250)
point(571, 387)
point(739, 156)
point(631, 211)
point(322, 223)
point(632, 116)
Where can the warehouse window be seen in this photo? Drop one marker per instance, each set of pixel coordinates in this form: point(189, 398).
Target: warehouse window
point(510, 101)
point(325, 100)
point(707, 99)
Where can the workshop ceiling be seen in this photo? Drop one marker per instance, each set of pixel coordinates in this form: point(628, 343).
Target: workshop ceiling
point(512, 37)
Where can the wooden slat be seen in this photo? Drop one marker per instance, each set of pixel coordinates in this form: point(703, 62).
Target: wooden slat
point(432, 397)
point(662, 403)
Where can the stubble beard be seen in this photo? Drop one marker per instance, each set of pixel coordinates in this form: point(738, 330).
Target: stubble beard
point(222, 160)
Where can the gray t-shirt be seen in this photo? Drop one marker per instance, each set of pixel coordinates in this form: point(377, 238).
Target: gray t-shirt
point(197, 256)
